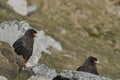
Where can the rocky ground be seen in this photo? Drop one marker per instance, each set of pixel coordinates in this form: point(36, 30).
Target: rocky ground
point(41, 71)
point(12, 64)
point(11, 67)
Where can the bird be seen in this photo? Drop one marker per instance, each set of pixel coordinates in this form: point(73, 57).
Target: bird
point(59, 77)
point(89, 66)
point(24, 45)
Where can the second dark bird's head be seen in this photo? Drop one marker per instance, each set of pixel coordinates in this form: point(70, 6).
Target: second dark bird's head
point(31, 33)
point(91, 61)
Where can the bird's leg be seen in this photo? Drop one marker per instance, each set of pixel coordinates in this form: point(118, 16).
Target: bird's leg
point(24, 65)
point(25, 62)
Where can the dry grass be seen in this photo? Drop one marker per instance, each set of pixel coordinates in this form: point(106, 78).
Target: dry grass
point(91, 28)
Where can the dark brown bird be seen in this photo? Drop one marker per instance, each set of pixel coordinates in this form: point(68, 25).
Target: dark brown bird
point(89, 65)
point(24, 45)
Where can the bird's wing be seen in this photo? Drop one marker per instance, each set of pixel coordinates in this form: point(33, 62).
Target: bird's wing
point(19, 46)
point(19, 43)
point(81, 68)
point(95, 71)
point(22, 47)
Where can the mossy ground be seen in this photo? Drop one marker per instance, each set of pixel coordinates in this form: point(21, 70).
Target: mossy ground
point(91, 28)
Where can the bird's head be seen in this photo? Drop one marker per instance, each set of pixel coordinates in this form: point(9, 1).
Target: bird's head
point(92, 60)
point(31, 33)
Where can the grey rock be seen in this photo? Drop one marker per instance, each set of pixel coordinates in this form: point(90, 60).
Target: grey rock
point(10, 31)
point(30, 9)
point(3, 78)
point(19, 6)
point(66, 73)
point(43, 71)
point(36, 78)
point(79, 75)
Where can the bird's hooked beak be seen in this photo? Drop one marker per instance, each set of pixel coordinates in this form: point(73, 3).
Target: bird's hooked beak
point(97, 62)
point(35, 34)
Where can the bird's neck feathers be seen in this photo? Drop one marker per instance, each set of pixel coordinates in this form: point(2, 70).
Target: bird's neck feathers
point(88, 62)
point(28, 36)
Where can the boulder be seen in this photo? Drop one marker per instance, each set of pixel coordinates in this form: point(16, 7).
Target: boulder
point(20, 6)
